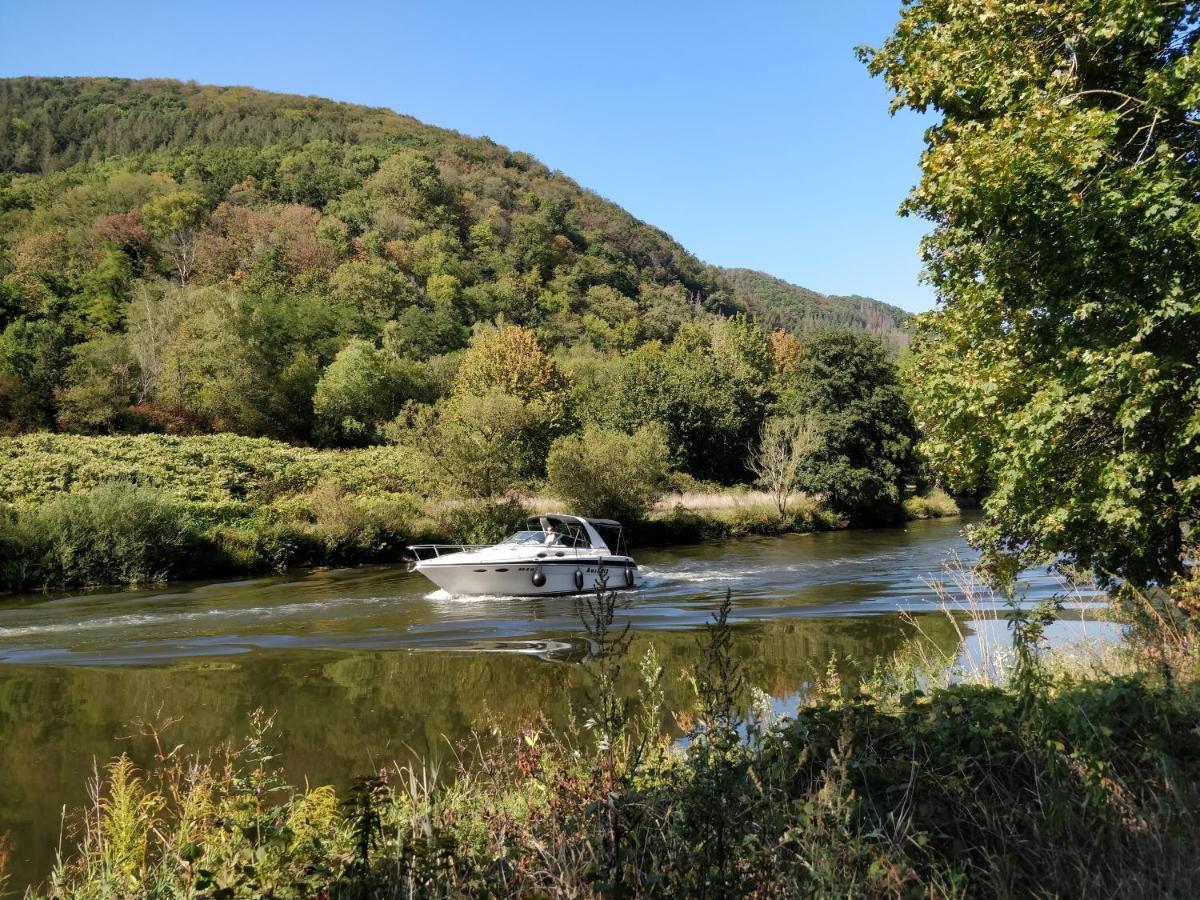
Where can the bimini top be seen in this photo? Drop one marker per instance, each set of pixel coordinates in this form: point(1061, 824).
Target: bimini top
point(606, 523)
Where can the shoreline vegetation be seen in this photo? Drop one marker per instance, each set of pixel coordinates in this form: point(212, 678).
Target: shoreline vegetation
point(1038, 774)
point(83, 511)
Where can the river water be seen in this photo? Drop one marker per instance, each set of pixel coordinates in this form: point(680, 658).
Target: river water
point(370, 665)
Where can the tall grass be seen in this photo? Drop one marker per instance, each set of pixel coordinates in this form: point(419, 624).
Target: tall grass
point(727, 500)
point(696, 515)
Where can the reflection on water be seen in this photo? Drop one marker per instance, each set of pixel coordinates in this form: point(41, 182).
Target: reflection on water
point(370, 665)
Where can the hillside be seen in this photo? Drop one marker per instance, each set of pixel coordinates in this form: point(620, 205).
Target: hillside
point(778, 304)
point(189, 259)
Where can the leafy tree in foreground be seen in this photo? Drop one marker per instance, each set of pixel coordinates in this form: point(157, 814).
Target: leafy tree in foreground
point(1063, 179)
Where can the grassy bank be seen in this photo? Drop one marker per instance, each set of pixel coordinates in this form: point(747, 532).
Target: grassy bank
point(77, 511)
point(936, 504)
point(1058, 782)
point(87, 510)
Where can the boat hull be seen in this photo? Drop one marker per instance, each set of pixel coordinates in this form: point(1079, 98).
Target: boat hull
point(518, 578)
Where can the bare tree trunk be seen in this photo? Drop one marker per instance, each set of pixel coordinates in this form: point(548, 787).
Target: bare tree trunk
point(783, 445)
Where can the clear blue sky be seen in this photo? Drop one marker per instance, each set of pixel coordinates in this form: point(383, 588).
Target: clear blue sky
point(748, 131)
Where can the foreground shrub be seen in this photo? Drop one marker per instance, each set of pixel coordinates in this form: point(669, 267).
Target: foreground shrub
point(603, 472)
point(116, 532)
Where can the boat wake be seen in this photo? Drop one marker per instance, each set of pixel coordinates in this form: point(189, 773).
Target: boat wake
point(169, 618)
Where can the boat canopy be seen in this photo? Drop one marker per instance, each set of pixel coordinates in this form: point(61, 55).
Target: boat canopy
point(578, 531)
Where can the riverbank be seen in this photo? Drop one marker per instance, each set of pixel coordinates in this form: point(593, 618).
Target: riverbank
point(905, 779)
point(83, 511)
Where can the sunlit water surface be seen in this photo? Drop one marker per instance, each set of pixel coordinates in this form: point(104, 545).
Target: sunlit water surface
point(370, 665)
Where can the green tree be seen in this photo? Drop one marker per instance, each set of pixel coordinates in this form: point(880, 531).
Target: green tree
point(209, 378)
point(33, 355)
point(604, 472)
point(104, 289)
point(711, 413)
point(174, 221)
point(357, 391)
point(848, 386)
point(741, 347)
point(351, 396)
point(1063, 365)
point(374, 287)
point(361, 389)
point(511, 361)
point(408, 184)
point(316, 174)
point(100, 385)
point(421, 332)
point(484, 445)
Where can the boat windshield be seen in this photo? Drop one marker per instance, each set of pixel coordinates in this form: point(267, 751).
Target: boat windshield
point(534, 537)
point(556, 536)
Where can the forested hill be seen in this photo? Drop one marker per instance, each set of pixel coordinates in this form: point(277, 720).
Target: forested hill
point(188, 258)
point(85, 132)
point(778, 304)
point(52, 123)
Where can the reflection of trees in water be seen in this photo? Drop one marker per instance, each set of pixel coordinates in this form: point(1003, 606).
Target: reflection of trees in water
point(343, 714)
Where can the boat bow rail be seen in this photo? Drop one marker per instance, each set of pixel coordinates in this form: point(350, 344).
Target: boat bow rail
point(422, 552)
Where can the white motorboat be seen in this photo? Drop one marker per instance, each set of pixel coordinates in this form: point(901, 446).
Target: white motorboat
point(555, 554)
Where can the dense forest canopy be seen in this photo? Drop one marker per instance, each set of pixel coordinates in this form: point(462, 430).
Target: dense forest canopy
point(178, 236)
point(778, 304)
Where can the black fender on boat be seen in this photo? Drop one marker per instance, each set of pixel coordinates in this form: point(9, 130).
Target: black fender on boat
point(579, 579)
point(539, 577)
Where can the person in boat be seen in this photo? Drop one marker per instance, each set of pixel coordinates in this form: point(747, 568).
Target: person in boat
point(552, 536)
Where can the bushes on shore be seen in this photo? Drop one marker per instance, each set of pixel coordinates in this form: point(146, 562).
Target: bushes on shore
point(116, 532)
point(112, 510)
point(123, 533)
point(607, 473)
point(78, 511)
point(936, 504)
